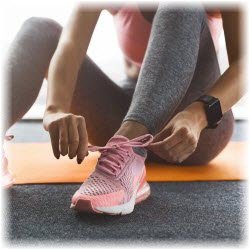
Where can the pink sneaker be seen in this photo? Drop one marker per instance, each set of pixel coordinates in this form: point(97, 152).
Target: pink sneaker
point(119, 180)
point(7, 178)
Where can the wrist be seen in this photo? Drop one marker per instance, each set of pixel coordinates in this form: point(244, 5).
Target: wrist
point(53, 109)
point(198, 113)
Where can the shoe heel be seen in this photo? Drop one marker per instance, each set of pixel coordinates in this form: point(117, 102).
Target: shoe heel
point(143, 193)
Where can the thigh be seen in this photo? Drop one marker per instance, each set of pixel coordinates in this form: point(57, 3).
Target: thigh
point(102, 102)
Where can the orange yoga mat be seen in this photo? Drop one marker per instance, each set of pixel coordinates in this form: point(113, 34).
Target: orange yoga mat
point(35, 163)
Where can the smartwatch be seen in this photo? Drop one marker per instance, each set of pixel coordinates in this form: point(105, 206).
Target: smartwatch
point(212, 109)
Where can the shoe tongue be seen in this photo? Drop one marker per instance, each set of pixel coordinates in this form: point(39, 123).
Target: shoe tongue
point(119, 138)
point(112, 157)
point(116, 139)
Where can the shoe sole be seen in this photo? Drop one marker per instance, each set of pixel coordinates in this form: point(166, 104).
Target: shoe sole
point(140, 195)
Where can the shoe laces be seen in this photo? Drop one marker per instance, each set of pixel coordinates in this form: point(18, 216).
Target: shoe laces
point(115, 154)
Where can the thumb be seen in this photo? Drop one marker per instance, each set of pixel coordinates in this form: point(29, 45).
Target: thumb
point(156, 146)
point(166, 132)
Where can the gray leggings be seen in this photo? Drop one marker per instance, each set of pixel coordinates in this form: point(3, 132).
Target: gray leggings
point(179, 66)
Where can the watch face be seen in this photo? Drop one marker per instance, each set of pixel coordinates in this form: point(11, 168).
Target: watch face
point(214, 112)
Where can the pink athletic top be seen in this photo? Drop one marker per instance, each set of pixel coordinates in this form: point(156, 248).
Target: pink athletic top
point(133, 31)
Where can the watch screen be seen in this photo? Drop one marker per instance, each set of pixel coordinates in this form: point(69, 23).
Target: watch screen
point(214, 113)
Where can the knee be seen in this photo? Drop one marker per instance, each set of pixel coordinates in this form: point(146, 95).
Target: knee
point(186, 18)
point(41, 34)
point(41, 25)
point(40, 22)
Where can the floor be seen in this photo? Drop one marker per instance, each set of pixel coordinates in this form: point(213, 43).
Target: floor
point(177, 212)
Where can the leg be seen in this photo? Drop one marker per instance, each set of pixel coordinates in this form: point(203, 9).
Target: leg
point(97, 98)
point(102, 103)
point(174, 74)
point(168, 66)
point(28, 60)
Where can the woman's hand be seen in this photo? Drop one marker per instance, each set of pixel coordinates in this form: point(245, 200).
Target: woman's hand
point(179, 139)
point(68, 134)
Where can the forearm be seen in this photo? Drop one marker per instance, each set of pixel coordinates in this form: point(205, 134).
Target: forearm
point(229, 89)
point(68, 57)
point(62, 76)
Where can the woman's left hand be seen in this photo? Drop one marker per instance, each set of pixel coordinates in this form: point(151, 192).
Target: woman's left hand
point(179, 139)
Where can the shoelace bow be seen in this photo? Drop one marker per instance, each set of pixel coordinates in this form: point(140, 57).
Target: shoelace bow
point(113, 156)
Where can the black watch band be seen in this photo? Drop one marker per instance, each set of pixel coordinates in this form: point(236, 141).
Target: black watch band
point(213, 110)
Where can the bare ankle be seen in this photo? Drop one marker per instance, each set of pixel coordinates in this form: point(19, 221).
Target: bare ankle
point(132, 129)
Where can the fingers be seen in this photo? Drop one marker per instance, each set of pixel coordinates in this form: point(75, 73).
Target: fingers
point(169, 142)
point(68, 135)
point(177, 137)
point(76, 143)
point(181, 151)
point(78, 138)
point(184, 156)
point(166, 132)
point(157, 146)
point(177, 147)
point(54, 137)
point(82, 150)
point(63, 137)
point(73, 136)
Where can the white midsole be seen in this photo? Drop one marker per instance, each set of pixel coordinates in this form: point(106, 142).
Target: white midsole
point(128, 207)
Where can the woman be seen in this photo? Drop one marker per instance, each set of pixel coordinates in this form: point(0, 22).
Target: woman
point(166, 77)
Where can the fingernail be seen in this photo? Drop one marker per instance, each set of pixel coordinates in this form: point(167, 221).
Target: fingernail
point(79, 161)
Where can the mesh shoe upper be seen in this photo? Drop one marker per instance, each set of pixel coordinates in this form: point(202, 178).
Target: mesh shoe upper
point(114, 174)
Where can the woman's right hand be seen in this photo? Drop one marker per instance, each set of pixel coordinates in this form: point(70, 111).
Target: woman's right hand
point(68, 134)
